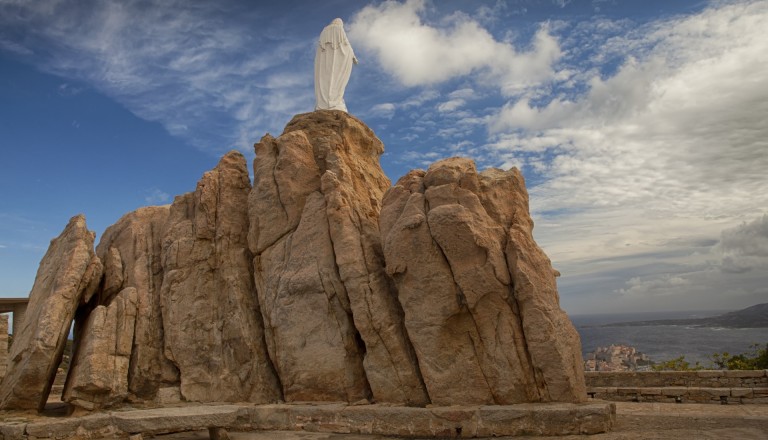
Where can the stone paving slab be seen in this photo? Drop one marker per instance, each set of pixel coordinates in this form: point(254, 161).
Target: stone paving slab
point(635, 421)
point(405, 422)
point(175, 419)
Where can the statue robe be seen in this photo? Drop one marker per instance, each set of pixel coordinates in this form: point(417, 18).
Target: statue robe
point(333, 65)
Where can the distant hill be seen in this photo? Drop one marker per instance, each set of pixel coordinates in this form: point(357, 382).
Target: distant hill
point(751, 317)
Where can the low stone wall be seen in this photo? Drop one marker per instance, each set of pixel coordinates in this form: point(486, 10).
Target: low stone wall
point(436, 422)
point(3, 343)
point(707, 386)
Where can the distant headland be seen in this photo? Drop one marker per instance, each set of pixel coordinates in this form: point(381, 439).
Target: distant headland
point(752, 317)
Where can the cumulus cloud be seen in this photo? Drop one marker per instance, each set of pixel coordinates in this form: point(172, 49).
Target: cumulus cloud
point(418, 53)
point(632, 168)
point(678, 130)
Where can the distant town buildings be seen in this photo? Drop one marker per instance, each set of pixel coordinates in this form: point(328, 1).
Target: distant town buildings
point(616, 358)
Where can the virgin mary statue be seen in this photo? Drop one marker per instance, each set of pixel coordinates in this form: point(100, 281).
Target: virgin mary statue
point(333, 65)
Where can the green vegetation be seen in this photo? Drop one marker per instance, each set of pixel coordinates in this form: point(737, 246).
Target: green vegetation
point(756, 359)
point(676, 364)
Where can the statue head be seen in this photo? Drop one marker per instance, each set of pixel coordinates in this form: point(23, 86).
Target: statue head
point(337, 22)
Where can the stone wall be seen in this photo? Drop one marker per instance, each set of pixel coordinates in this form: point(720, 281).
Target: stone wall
point(3, 343)
point(706, 386)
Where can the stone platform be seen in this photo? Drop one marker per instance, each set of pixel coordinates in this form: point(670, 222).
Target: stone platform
point(404, 422)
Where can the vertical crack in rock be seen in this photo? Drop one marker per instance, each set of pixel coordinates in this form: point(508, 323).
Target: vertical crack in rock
point(98, 375)
point(333, 155)
point(462, 225)
point(437, 327)
point(359, 344)
point(131, 251)
point(464, 310)
point(522, 347)
point(212, 335)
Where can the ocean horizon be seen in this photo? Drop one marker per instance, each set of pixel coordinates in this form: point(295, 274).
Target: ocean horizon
point(666, 342)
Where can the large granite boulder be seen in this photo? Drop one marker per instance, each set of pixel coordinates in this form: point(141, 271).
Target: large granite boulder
point(69, 271)
point(333, 324)
point(98, 375)
point(130, 250)
point(213, 330)
point(319, 283)
point(479, 295)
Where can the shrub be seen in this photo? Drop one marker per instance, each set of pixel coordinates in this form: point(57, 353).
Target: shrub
point(757, 359)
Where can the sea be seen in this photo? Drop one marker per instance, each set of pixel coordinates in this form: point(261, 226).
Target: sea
point(666, 342)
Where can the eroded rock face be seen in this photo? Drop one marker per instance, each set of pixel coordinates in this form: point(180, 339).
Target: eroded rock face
point(213, 330)
point(131, 251)
point(319, 283)
point(333, 324)
point(479, 296)
point(69, 271)
point(98, 375)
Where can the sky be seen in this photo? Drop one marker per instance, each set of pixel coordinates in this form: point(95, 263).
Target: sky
point(641, 128)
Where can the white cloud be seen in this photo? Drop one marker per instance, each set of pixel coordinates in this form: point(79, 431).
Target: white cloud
point(157, 197)
point(464, 93)
point(184, 65)
point(68, 90)
point(680, 131)
point(420, 99)
point(745, 247)
point(669, 148)
point(450, 106)
point(383, 110)
point(417, 53)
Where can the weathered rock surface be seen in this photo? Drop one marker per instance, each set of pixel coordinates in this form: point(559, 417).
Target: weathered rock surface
point(319, 283)
point(479, 296)
point(130, 250)
point(333, 324)
point(69, 271)
point(213, 330)
point(98, 375)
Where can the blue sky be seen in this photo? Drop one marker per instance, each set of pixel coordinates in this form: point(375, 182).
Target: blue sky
point(641, 127)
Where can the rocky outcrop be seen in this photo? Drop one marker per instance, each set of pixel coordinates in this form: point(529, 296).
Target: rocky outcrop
point(319, 266)
point(98, 374)
point(131, 251)
point(479, 296)
point(319, 283)
point(69, 271)
point(213, 330)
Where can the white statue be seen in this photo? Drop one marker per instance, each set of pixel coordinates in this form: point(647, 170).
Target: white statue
point(333, 65)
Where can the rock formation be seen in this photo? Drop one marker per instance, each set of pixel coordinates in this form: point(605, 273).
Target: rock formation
point(479, 296)
point(69, 271)
point(98, 376)
point(131, 251)
point(319, 283)
point(319, 266)
point(213, 331)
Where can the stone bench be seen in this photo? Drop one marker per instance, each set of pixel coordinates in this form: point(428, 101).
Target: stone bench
point(441, 422)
